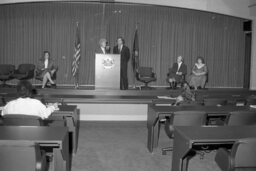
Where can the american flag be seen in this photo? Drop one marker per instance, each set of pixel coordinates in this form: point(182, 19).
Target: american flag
point(77, 55)
point(135, 52)
point(135, 56)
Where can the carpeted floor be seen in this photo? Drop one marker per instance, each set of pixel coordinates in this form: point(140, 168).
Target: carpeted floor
point(115, 146)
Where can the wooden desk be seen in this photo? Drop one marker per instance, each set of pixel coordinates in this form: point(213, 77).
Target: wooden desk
point(187, 137)
point(155, 113)
point(52, 137)
point(70, 113)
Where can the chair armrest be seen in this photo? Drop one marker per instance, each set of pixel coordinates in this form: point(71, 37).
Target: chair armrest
point(56, 121)
point(223, 159)
point(16, 71)
point(40, 159)
point(169, 128)
point(138, 75)
point(11, 72)
point(36, 72)
point(153, 75)
point(31, 73)
point(183, 76)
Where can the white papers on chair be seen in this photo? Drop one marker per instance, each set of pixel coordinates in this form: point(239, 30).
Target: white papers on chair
point(253, 106)
point(163, 104)
point(166, 97)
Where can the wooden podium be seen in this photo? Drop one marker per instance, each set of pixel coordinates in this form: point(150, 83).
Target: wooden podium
point(107, 71)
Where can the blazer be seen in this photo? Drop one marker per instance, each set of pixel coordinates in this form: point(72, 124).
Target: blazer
point(183, 68)
point(125, 55)
point(50, 66)
point(99, 50)
point(40, 71)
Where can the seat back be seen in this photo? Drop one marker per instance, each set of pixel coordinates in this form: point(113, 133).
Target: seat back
point(170, 71)
point(145, 71)
point(241, 118)
point(251, 101)
point(214, 101)
point(243, 154)
point(6, 69)
point(21, 156)
point(24, 68)
point(2, 101)
point(22, 120)
point(184, 118)
point(189, 118)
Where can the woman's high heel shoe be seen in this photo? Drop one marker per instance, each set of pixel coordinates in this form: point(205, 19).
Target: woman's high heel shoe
point(54, 85)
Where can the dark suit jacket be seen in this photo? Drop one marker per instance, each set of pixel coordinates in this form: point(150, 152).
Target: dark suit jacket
point(50, 67)
point(173, 70)
point(183, 68)
point(125, 56)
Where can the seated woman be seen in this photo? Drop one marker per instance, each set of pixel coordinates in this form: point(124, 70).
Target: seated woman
point(46, 69)
point(177, 72)
point(26, 105)
point(198, 76)
point(186, 96)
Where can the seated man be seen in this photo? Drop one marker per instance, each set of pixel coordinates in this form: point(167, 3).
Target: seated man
point(177, 72)
point(26, 105)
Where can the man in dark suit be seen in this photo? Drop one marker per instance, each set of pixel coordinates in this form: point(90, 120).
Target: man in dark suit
point(177, 72)
point(103, 47)
point(124, 52)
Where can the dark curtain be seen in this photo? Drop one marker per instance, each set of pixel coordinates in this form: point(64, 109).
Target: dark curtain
point(26, 30)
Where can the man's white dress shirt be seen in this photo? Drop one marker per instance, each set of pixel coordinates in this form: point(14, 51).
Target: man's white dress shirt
point(28, 106)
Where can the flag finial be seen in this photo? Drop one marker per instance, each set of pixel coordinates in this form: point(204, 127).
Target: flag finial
point(136, 25)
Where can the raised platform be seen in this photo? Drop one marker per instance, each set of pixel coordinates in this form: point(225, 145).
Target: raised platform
point(131, 96)
point(128, 105)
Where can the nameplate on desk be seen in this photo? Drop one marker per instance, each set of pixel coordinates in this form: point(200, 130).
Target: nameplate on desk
point(163, 104)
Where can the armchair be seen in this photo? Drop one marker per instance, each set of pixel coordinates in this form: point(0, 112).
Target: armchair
point(22, 120)
point(22, 156)
point(24, 72)
point(239, 118)
point(6, 73)
point(183, 118)
point(146, 75)
point(241, 157)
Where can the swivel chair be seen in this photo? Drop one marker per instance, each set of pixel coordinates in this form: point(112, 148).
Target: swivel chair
point(146, 75)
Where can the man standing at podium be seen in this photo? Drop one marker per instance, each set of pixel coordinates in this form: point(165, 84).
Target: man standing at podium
point(124, 52)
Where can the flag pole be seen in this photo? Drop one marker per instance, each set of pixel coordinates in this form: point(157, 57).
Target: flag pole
point(76, 57)
point(76, 76)
point(135, 55)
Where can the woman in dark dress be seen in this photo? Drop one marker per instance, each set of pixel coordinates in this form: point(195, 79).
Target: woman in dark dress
point(46, 69)
point(186, 97)
point(199, 72)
